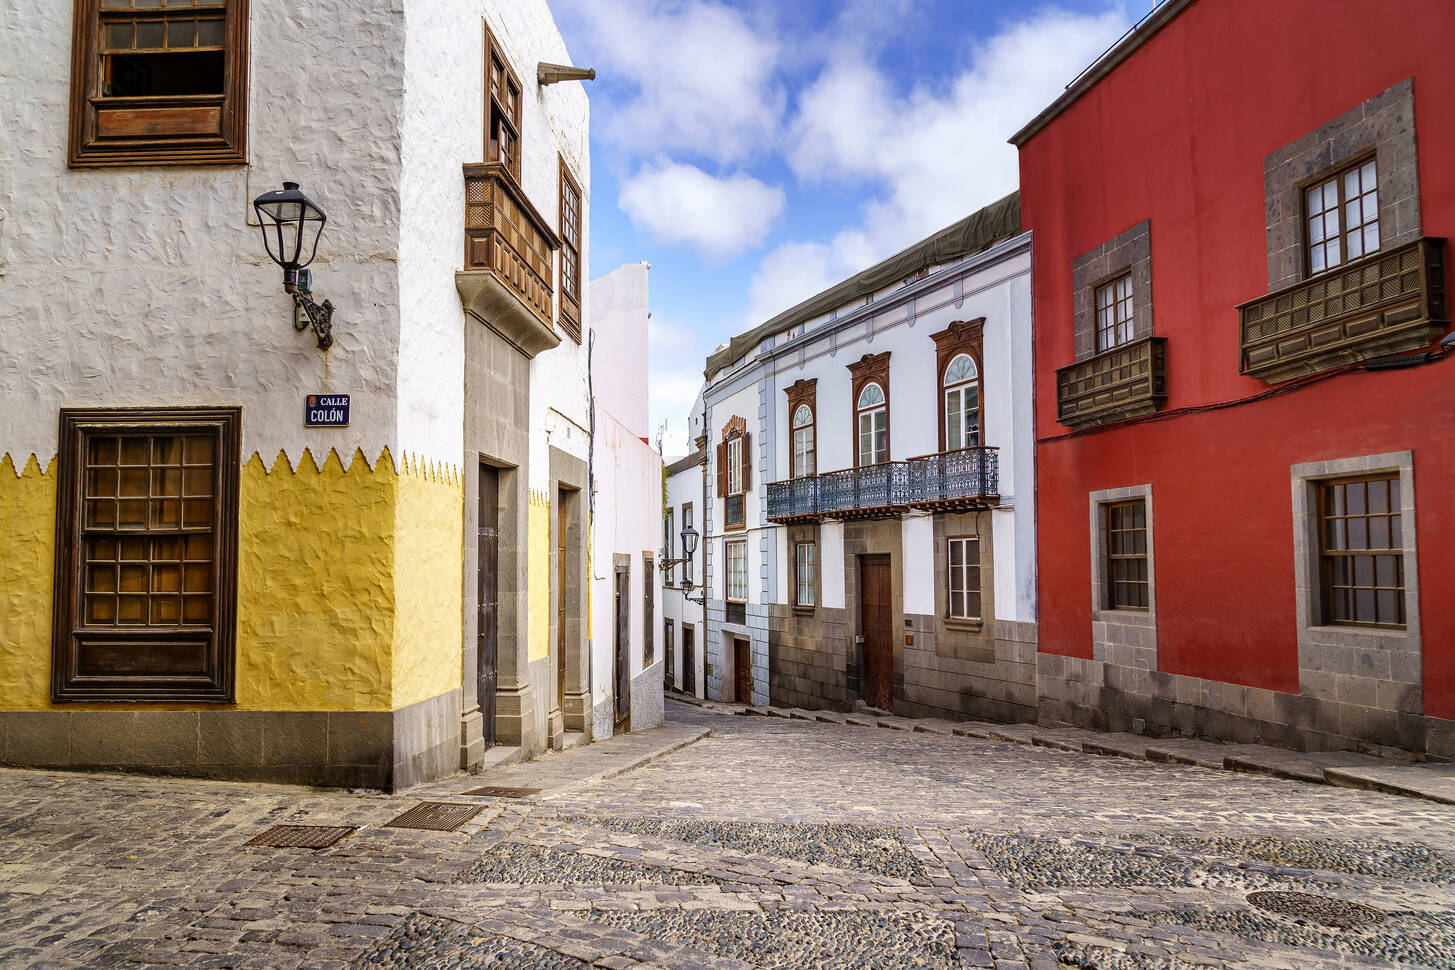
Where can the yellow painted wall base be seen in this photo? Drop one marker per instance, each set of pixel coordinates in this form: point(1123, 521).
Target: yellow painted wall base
point(349, 592)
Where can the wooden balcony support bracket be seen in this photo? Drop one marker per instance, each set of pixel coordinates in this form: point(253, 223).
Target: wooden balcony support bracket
point(509, 251)
point(1389, 302)
point(1125, 382)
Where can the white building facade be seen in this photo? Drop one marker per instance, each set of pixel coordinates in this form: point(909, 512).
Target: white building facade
point(682, 609)
point(869, 526)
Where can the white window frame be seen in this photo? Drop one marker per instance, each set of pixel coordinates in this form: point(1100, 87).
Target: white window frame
point(804, 460)
point(1110, 299)
point(970, 557)
point(735, 575)
point(878, 416)
point(804, 575)
point(965, 439)
point(735, 466)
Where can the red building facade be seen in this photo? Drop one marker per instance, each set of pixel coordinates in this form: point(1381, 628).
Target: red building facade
point(1245, 431)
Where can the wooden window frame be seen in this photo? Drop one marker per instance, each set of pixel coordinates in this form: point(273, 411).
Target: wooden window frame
point(736, 429)
point(514, 119)
point(212, 679)
point(570, 253)
point(964, 568)
point(1128, 324)
point(803, 393)
point(190, 129)
point(798, 547)
point(1336, 173)
point(1327, 557)
point(669, 547)
point(687, 570)
point(649, 611)
point(869, 369)
point(1112, 558)
point(960, 337)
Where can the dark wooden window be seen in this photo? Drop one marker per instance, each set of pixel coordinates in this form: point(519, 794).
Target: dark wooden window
point(963, 577)
point(1114, 313)
point(687, 566)
point(146, 555)
point(649, 612)
point(502, 131)
point(734, 472)
point(1361, 551)
point(570, 225)
point(1341, 216)
point(669, 547)
point(158, 82)
point(805, 585)
point(1127, 575)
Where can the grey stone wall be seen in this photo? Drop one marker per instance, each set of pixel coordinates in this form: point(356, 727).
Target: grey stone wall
point(647, 699)
point(1129, 250)
point(810, 658)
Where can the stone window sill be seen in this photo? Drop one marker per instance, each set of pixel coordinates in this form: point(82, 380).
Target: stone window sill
point(963, 626)
point(1126, 617)
point(804, 610)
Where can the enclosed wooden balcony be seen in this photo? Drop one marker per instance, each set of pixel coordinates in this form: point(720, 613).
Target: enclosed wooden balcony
point(955, 481)
point(1124, 382)
point(509, 246)
point(1392, 301)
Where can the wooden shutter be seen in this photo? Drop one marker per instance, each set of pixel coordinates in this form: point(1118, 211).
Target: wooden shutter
point(747, 461)
point(722, 470)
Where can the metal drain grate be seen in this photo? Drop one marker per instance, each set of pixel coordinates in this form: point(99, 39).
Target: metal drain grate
point(436, 816)
point(1325, 910)
point(301, 836)
point(498, 791)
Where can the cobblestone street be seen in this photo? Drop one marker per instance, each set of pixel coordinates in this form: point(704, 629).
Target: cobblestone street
point(768, 843)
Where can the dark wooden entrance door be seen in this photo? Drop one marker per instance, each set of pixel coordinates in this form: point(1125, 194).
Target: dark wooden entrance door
point(562, 596)
point(488, 593)
point(876, 619)
point(622, 644)
point(689, 663)
point(743, 671)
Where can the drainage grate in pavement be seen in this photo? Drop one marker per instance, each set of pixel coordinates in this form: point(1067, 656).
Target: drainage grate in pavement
point(500, 791)
point(301, 836)
point(1325, 910)
point(436, 816)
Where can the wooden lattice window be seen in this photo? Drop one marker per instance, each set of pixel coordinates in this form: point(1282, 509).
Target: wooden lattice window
point(502, 131)
point(158, 82)
point(570, 226)
point(1341, 217)
point(1361, 554)
point(1127, 572)
point(146, 552)
point(1114, 313)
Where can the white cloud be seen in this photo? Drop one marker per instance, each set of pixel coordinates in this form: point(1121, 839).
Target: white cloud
point(702, 73)
point(679, 203)
point(935, 155)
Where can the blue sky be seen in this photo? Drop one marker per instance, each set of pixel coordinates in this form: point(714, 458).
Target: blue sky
point(754, 152)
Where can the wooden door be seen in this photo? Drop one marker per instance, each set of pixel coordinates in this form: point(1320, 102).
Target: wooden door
point(876, 620)
point(622, 644)
point(488, 598)
point(563, 592)
point(743, 671)
point(689, 663)
point(669, 645)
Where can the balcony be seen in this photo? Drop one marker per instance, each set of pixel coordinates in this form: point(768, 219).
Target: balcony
point(947, 482)
point(1389, 302)
point(1124, 382)
point(506, 282)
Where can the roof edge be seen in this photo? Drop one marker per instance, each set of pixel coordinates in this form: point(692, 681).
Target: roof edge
point(690, 461)
point(1102, 66)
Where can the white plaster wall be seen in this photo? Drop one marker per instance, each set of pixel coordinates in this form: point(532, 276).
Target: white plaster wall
point(831, 556)
point(682, 488)
point(627, 520)
point(148, 287)
point(619, 320)
point(917, 535)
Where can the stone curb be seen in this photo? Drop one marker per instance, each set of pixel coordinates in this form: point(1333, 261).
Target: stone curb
point(1345, 769)
point(645, 758)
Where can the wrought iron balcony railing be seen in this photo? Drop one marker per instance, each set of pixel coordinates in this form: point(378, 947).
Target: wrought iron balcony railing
point(953, 480)
point(1124, 382)
point(505, 234)
point(948, 481)
point(1389, 302)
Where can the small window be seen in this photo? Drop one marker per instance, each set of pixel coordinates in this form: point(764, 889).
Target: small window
point(805, 588)
point(570, 226)
point(146, 531)
point(963, 577)
point(159, 82)
point(1341, 217)
point(1361, 551)
point(1114, 313)
point(502, 134)
point(873, 415)
point(804, 462)
point(1128, 586)
point(962, 404)
point(737, 572)
point(669, 547)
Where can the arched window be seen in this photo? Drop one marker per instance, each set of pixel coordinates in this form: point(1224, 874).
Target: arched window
point(873, 414)
point(961, 385)
point(803, 457)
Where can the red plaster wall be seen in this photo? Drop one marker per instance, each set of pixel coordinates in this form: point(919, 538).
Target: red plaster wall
point(1178, 134)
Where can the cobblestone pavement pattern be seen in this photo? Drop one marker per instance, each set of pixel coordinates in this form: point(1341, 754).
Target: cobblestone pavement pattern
point(769, 843)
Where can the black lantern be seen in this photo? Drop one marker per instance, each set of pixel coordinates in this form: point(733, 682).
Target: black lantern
point(292, 225)
point(689, 541)
point(689, 549)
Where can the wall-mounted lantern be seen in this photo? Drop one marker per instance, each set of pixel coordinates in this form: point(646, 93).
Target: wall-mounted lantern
point(291, 226)
point(689, 547)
